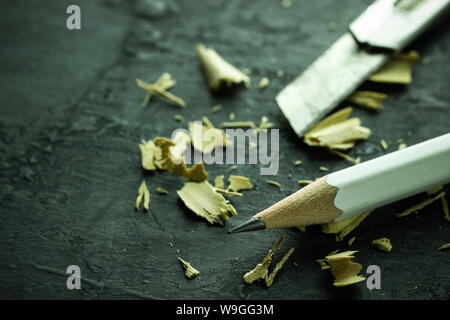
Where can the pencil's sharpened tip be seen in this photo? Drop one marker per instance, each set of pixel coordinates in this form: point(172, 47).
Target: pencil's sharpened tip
point(251, 225)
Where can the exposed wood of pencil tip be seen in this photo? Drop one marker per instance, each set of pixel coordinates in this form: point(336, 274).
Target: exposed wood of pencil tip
point(313, 204)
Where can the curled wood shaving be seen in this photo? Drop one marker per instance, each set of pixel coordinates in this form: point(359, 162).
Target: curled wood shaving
point(195, 173)
point(337, 131)
point(165, 82)
point(191, 272)
point(345, 226)
point(161, 190)
point(397, 70)
point(238, 183)
point(271, 277)
point(344, 271)
point(206, 202)
point(143, 193)
point(369, 99)
point(154, 88)
point(262, 269)
point(219, 72)
point(351, 240)
point(383, 244)
point(420, 205)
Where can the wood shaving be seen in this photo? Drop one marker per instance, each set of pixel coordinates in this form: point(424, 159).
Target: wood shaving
point(271, 277)
point(143, 193)
point(444, 246)
point(402, 146)
point(216, 108)
point(383, 244)
point(420, 205)
point(305, 181)
point(154, 88)
point(323, 169)
point(345, 226)
point(161, 190)
point(196, 173)
point(219, 72)
point(337, 131)
point(274, 183)
point(191, 272)
point(345, 156)
point(302, 228)
point(165, 82)
point(178, 117)
point(351, 240)
point(383, 144)
point(280, 74)
point(237, 183)
point(344, 271)
point(445, 208)
point(206, 138)
point(323, 264)
point(397, 70)
point(149, 152)
point(297, 162)
point(435, 190)
point(264, 124)
point(369, 99)
point(286, 3)
point(262, 269)
point(219, 183)
point(232, 116)
point(206, 202)
point(264, 82)
point(233, 167)
point(228, 192)
point(238, 124)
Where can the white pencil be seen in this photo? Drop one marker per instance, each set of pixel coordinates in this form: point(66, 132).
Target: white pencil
point(360, 188)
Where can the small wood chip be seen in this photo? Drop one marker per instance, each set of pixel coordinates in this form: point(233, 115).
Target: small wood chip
point(402, 146)
point(219, 183)
point(178, 117)
point(237, 183)
point(445, 246)
point(323, 168)
point(345, 156)
point(161, 190)
point(345, 226)
point(383, 144)
point(239, 124)
point(274, 183)
point(154, 88)
point(143, 193)
point(297, 162)
point(368, 99)
point(216, 108)
point(264, 82)
point(191, 272)
point(305, 181)
point(232, 116)
point(383, 244)
point(351, 240)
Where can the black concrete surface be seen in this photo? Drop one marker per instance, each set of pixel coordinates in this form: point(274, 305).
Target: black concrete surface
point(71, 120)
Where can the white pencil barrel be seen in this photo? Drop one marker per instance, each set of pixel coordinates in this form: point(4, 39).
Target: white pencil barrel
point(392, 177)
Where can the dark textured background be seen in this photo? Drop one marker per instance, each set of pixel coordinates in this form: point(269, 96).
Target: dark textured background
point(70, 167)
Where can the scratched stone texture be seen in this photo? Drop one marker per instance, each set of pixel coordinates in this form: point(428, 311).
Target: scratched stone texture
point(71, 120)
